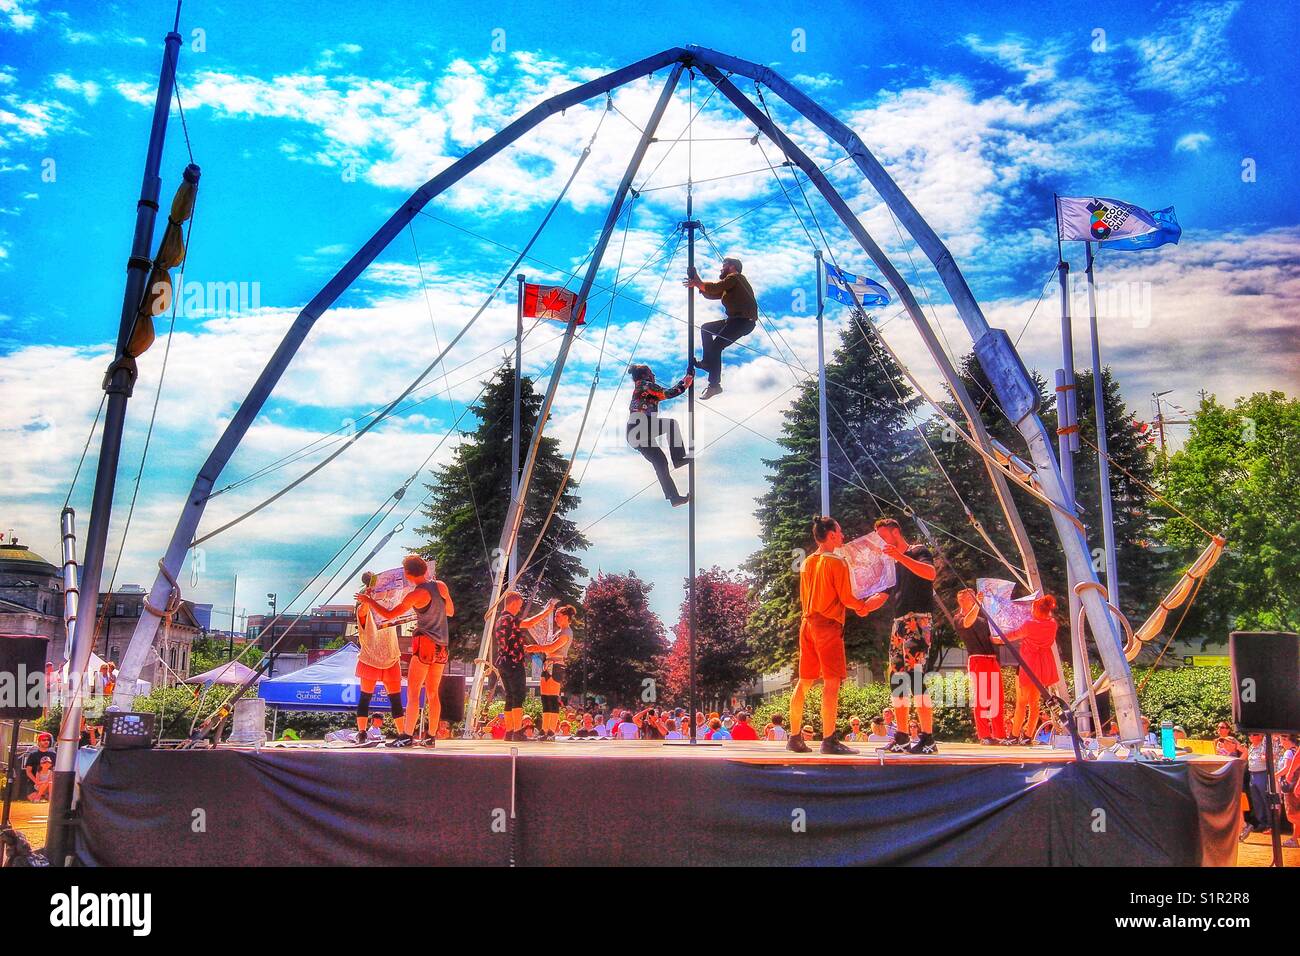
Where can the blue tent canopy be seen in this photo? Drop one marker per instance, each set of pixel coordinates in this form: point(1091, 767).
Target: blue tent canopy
point(329, 684)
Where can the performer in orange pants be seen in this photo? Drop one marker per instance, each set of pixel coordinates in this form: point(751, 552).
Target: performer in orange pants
point(1037, 637)
point(986, 696)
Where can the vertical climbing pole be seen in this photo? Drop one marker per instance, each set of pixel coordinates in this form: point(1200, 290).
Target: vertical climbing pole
point(515, 513)
point(690, 225)
point(824, 455)
point(514, 427)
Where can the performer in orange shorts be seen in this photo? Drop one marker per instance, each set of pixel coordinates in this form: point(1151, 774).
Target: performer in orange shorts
point(825, 593)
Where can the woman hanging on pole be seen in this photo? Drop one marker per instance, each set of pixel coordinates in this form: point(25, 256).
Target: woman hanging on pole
point(644, 428)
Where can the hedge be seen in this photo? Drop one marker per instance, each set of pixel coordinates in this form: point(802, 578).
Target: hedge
point(1194, 698)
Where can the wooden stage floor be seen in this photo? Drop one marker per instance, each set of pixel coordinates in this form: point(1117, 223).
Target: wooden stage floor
point(753, 752)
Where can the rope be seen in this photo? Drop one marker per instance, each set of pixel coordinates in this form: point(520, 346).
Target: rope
point(1151, 491)
point(85, 448)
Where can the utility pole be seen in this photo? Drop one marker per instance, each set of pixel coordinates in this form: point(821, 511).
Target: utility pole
point(119, 381)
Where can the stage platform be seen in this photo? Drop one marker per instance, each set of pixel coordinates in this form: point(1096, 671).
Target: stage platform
point(640, 803)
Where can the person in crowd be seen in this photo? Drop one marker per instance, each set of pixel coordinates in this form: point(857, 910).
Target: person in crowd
point(879, 732)
point(887, 717)
point(825, 595)
point(985, 674)
point(914, 729)
point(564, 730)
point(1149, 738)
point(44, 780)
point(647, 722)
point(1037, 637)
point(741, 729)
point(856, 734)
point(910, 636)
point(1288, 783)
point(626, 728)
point(741, 307)
point(379, 661)
point(716, 730)
point(1257, 774)
point(645, 428)
point(33, 758)
point(777, 730)
point(670, 729)
point(1225, 744)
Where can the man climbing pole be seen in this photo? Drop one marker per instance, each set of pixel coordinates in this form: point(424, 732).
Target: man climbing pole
point(742, 315)
point(644, 427)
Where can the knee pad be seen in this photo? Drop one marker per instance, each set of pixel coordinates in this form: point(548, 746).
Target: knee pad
point(363, 704)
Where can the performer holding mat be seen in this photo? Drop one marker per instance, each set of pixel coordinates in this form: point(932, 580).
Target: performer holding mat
point(554, 644)
point(380, 662)
point(432, 604)
point(825, 592)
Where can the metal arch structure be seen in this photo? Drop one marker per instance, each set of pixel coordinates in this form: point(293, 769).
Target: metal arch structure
point(993, 347)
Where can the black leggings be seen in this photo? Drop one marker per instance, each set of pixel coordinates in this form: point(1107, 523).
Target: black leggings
point(513, 684)
point(716, 336)
point(643, 433)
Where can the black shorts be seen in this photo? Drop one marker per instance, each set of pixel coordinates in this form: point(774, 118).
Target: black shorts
point(554, 670)
point(514, 684)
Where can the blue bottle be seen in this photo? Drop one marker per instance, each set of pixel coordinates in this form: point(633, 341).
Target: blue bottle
point(1167, 739)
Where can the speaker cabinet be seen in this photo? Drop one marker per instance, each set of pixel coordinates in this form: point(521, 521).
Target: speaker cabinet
point(1265, 681)
point(22, 677)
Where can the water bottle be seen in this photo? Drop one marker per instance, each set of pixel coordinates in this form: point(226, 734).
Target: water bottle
point(1167, 739)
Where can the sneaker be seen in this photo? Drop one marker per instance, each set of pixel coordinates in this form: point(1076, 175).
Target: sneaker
point(832, 745)
point(680, 500)
point(360, 738)
point(401, 740)
point(429, 742)
point(986, 741)
point(709, 392)
point(925, 745)
point(901, 745)
point(797, 744)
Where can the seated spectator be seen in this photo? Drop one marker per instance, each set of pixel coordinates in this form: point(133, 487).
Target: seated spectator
point(777, 729)
point(879, 732)
point(44, 780)
point(855, 730)
point(626, 729)
point(891, 728)
point(670, 730)
point(741, 729)
point(1225, 744)
point(32, 759)
point(716, 731)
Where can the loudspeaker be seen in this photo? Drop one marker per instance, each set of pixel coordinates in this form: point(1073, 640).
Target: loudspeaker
point(22, 677)
point(451, 694)
point(1265, 681)
point(125, 730)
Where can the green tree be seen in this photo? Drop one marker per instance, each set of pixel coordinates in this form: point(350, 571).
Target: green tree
point(624, 644)
point(724, 659)
point(467, 511)
point(871, 446)
point(1239, 475)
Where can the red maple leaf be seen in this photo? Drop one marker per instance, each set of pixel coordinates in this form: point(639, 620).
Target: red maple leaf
point(555, 301)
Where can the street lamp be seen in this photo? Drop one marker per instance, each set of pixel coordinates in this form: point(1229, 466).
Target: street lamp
point(270, 597)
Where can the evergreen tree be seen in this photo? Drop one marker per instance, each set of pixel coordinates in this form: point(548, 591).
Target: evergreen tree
point(870, 433)
point(624, 644)
point(467, 510)
point(723, 655)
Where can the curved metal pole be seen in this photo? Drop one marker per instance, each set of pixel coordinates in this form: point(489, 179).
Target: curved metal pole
point(146, 628)
point(993, 347)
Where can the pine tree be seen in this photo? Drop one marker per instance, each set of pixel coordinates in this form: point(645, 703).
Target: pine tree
point(870, 434)
point(467, 511)
point(624, 642)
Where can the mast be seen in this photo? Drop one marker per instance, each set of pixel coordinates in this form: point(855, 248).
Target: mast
point(71, 592)
point(1103, 456)
point(514, 516)
point(691, 224)
point(118, 383)
point(514, 425)
point(821, 393)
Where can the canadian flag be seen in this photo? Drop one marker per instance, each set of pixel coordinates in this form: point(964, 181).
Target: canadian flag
point(551, 302)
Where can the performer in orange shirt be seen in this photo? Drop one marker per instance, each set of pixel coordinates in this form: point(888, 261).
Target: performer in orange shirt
point(825, 592)
point(1036, 636)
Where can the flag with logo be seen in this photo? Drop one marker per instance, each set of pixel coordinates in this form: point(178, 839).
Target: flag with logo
point(551, 302)
point(843, 286)
point(1098, 219)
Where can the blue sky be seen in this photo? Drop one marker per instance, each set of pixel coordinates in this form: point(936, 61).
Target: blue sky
point(312, 123)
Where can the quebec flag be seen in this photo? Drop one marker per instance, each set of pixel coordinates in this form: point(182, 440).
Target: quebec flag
point(841, 286)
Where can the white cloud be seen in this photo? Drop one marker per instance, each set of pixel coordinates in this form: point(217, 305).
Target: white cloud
point(87, 89)
point(17, 15)
point(1191, 142)
point(1037, 61)
point(1192, 59)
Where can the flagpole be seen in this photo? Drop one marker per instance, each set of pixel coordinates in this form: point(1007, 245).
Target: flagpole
point(1103, 457)
point(514, 428)
point(691, 225)
point(821, 392)
point(1067, 443)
